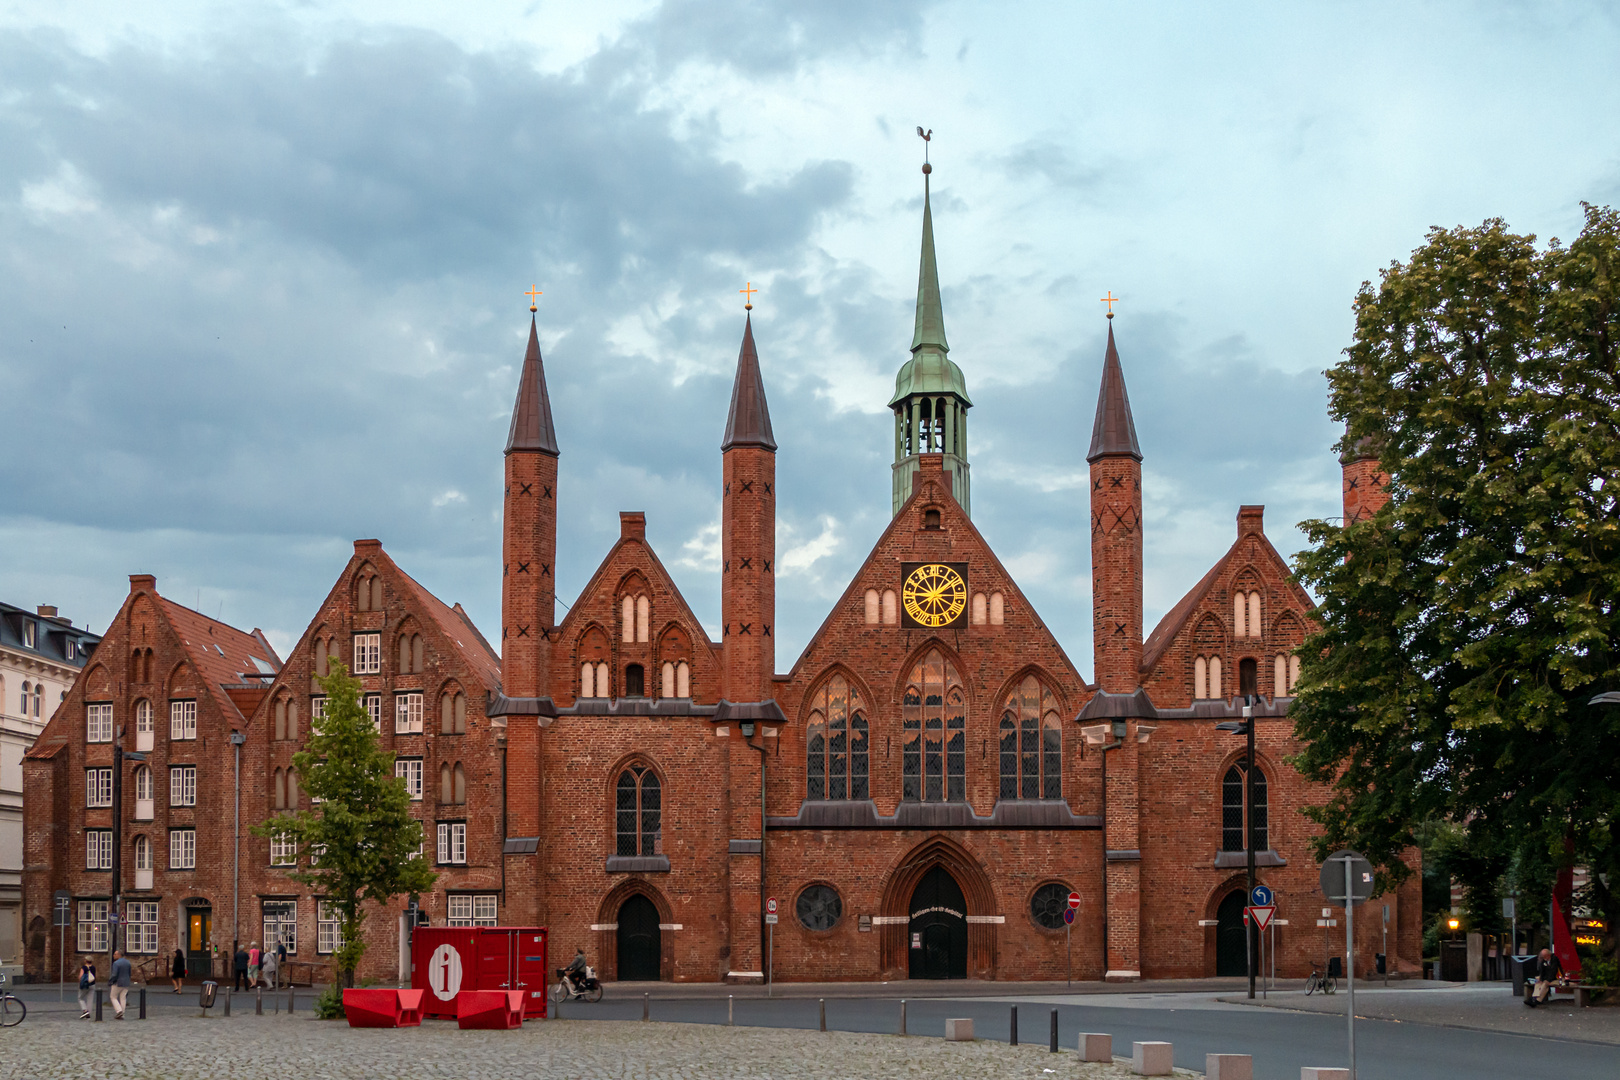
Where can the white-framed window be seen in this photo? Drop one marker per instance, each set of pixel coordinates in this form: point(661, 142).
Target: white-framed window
point(410, 770)
point(182, 785)
point(91, 931)
point(97, 719)
point(472, 910)
point(453, 842)
point(143, 853)
point(182, 849)
point(408, 713)
point(283, 850)
point(28, 633)
point(328, 927)
point(140, 935)
point(98, 849)
point(367, 654)
point(374, 710)
point(281, 925)
point(182, 719)
point(144, 724)
point(98, 787)
point(317, 712)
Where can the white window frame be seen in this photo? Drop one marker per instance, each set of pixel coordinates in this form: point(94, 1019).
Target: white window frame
point(98, 849)
point(183, 720)
point(144, 722)
point(98, 787)
point(143, 852)
point(141, 929)
point(283, 850)
point(98, 720)
point(374, 710)
point(472, 909)
point(408, 713)
point(183, 849)
point(328, 927)
point(410, 771)
point(30, 631)
point(368, 654)
point(281, 924)
point(91, 926)
point(182, 785)
point(452, 843)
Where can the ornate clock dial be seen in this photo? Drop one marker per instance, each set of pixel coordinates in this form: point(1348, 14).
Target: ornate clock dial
point(934, 595)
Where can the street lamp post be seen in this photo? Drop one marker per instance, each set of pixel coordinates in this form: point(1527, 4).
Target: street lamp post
point(115, 912)
point(1246, 727)
point(237, 739)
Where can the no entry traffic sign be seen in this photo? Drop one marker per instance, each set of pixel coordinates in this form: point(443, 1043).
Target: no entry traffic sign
point(1074, 900)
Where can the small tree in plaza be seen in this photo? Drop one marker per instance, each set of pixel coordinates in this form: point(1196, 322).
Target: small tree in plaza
point(358, 841)
point(1466, 627)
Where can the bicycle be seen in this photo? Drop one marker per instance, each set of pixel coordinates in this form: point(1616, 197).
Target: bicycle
point(1325, 983)
point(12, 1009)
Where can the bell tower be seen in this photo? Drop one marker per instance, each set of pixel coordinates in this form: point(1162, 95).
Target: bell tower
point(1116, 532)
point(930, 400)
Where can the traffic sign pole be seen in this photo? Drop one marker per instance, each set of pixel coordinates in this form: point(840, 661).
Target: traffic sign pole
point(1350, 959)
point(1068, 935)
point(770, 946)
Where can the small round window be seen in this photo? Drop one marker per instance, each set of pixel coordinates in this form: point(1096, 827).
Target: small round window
point(1046, 907)
point(819, 908)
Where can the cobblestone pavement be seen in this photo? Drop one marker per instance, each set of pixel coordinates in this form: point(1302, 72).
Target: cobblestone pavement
point(267, 1048)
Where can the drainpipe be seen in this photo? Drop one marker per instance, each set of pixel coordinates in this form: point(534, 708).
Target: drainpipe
point(748, 734)
point(1118, 727)
point(237, 739)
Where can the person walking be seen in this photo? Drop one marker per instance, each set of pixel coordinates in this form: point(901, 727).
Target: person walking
point(87, 987)
point(270, 969)
point(239, 964)
point(177, 969)
point(255, 959)
point(119, 980)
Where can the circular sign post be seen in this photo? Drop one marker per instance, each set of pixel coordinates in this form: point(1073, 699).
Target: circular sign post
point(1074, 900)
point(1347, 880)
point(770, 906)
point(1261, 896)
point(1068, 917)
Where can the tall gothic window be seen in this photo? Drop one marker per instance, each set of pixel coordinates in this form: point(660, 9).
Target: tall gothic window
point(1232, 818)
point(934, 739)
point(639, 812)
point(1031, 743)
point(836, 744)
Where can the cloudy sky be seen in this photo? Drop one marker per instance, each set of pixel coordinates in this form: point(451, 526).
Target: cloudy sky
point(263, 268)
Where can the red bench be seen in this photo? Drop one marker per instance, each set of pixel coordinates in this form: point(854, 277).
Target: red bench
point(366, 1007)
point(491, 1010)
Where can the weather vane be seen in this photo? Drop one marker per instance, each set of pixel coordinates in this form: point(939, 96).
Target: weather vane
point(1110, 300)
point(534, 291)
point(927, 137)
point(749, 292)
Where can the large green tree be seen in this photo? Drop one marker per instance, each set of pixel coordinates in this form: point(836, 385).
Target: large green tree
point(1466, 626)
point(358, 841)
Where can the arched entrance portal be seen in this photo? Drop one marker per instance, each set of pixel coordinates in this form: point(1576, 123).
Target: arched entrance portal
point(638, 943)
point(938, 927)
point(1231, 938)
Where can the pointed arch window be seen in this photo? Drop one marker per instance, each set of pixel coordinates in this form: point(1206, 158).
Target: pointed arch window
point(836, 744)
point(1031, 743)
point(934, 735)
point(1233, 818)
point(638, 812)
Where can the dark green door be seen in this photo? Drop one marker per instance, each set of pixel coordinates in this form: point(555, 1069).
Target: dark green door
point(938, 928)
point(1231, 938)
point(638, 941)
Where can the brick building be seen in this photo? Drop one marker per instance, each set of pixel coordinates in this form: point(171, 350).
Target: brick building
point(921, 790)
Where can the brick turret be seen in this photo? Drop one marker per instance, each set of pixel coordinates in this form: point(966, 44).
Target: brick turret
point(748, 534)
point(1365, 482)
point(1116, 533)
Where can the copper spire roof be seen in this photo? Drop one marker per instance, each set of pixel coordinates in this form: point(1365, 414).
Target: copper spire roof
point(531, 416)
point(749, 422)
point(1114, 432)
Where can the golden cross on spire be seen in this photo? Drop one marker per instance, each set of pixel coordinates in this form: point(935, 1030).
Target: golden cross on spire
point(749, 292)
point(1110, 300)
point(534, 291)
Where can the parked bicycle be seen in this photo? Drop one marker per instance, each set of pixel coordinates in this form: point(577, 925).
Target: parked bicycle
point(12, 1009)
point(1318, 981)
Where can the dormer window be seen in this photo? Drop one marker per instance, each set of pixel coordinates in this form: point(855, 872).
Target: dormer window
point(28, 634)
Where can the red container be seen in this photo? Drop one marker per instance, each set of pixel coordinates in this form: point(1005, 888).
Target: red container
point(489, 1010)
point(447, 960)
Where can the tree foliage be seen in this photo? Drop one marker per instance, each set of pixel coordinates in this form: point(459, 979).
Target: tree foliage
point(1466, 625)
point(358, 841)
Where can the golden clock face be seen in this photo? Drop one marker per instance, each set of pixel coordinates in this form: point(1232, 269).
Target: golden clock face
point(934, 595)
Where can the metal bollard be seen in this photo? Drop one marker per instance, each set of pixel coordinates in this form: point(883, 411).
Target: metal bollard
point(646, 1005)
point(228, 994)
point(98, 1003)
point(823, 1003)
point(290, 993)
point(1014, 1040)
point(1054, 1031)
point(143, 1003)
point(902, 1016)
point(258, 1001)
point(731, 1009)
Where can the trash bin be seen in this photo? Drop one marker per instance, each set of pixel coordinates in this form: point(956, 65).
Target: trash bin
point(1335, 967)
point(206, 992)
point(1379, 963)
point(1520, 972)
point(1454, 961)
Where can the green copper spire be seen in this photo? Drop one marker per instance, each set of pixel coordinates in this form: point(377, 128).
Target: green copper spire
point(930, 400)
